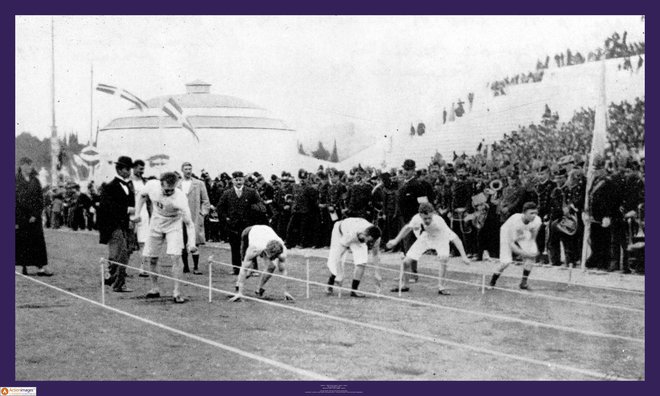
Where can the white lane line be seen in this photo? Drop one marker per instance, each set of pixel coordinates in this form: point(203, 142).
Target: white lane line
point(283, 366)
point(403, 333)
point(527, 322)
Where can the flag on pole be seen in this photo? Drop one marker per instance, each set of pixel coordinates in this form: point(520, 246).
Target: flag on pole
point(598, 144)
point(124, 94)
point(90, 155)
point(175, 111)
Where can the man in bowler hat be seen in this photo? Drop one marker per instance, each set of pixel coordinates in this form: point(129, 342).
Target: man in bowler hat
point(115, 230)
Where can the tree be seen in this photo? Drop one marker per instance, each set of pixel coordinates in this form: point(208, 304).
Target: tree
point(334, 157)
point(301, 150)
point(321, 153)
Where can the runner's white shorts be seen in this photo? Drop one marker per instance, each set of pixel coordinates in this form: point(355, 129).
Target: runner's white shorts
point(423, 243)
point(154, 244)
point(338, 252)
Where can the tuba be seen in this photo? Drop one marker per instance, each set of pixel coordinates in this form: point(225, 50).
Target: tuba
point(496, 185)
point(569, 222)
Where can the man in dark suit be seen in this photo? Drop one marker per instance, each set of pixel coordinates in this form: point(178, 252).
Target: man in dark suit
point(237, 206)
point(411, 194)
point(117, 204)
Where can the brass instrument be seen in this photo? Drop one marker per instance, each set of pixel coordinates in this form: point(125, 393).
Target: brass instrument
point(479, 217)
point(569, 222)
point(496, 185)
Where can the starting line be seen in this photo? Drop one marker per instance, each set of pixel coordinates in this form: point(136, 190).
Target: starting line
point(283, 366)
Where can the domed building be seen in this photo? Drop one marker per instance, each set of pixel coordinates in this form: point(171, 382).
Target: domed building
point(233, 133)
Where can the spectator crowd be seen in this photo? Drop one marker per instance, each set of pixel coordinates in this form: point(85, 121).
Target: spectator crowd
point(543, 163)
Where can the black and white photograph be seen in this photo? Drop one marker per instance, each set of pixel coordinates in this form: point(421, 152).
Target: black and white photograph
point(330, 198)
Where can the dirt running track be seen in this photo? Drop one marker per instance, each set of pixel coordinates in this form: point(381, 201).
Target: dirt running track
point(59, 337)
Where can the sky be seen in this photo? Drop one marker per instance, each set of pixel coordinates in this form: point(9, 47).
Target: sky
point(378, 71)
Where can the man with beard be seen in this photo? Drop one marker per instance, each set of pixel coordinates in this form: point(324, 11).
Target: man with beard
point(198, 202)
point(411, 194)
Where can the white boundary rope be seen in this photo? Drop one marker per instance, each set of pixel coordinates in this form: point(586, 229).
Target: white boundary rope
point(300, 254)
point(283, 366)
point(528, 294)
point(461, 310)
point(516, 263)
point(422, 337)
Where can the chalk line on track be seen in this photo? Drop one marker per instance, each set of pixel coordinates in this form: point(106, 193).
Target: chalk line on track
point(461, 310)
point(283, 366)
point(422, 337)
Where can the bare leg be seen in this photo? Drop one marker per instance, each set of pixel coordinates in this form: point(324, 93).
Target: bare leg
point(177, 271)
point(442, 271)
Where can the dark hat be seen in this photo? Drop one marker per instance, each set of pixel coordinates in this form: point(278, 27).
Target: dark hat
point(273, 177)
point(409, 164)
point(124, 161)
point(24, 160)
point(257, 174)
point(302, 174)
point(224, 175)
point(237, 174)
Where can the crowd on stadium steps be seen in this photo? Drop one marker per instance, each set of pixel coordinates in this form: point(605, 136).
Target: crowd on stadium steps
point(615, 46)
point(542, 163)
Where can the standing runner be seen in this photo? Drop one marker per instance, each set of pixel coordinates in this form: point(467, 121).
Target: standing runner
point(170, 211)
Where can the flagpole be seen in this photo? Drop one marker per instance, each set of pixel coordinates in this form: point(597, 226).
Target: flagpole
point(91, 105)
point(54, 143)
point(598, 141)
point(91, 114)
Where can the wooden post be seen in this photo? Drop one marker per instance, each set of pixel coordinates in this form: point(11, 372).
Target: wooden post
point(483, 283)
point(307, 283)
point(210, 278)
point(102, 281)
